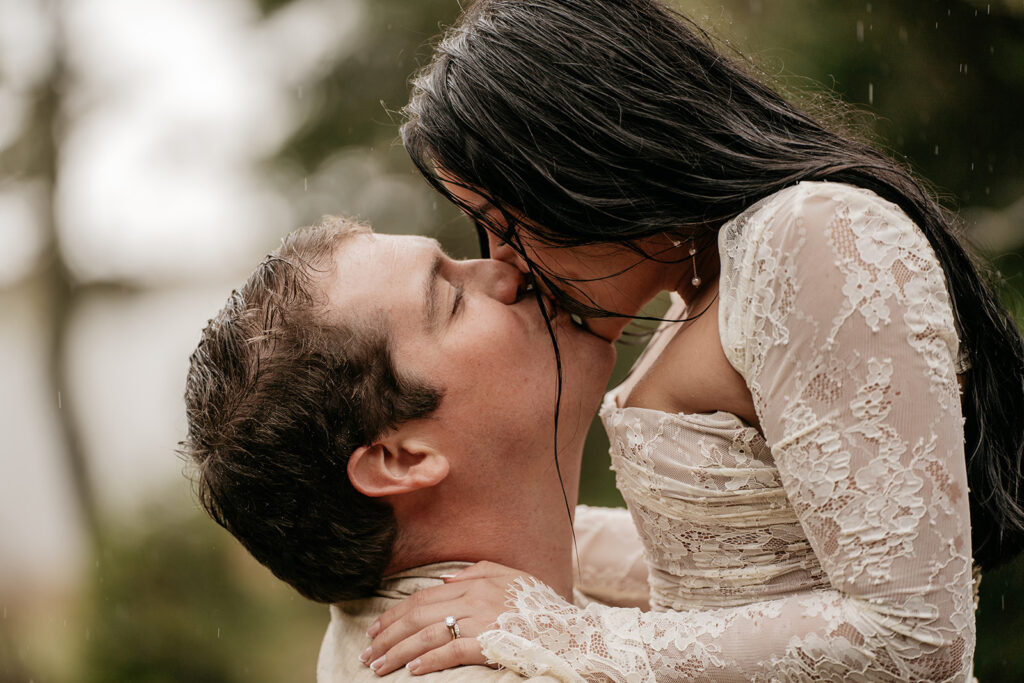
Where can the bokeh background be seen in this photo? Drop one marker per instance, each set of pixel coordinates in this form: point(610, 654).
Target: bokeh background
point(151, 151)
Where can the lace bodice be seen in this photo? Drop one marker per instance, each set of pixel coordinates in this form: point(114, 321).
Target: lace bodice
point(710, 508)
point(837, 545)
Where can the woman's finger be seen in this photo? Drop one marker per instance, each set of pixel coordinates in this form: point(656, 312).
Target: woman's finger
point(417, 601)
point(422, 619)
point(459, 652)
point(423, 641)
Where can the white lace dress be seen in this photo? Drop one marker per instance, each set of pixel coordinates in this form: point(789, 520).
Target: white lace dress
point(837, 546)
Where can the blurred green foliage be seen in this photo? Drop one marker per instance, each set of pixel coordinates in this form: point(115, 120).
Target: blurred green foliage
point(998, 656)
point(355, 102)
point(175, 599)
point(942, 81)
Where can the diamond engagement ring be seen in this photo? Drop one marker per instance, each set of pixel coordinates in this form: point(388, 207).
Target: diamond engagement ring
point(453, 627)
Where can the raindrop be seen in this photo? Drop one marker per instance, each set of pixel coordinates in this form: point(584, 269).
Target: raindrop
point(936, 150)
point(936, 24)
point(860, 31)
point(972, 165)
point(988, 9)
point(869, 8)
point(218, 633)
point(59, 406)
point(988, 190)
point(871, 93)
point(305, 184)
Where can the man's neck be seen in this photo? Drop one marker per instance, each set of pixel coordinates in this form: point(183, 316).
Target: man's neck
point(533, 538)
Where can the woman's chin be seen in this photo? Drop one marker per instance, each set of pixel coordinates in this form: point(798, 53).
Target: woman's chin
point(607, 330)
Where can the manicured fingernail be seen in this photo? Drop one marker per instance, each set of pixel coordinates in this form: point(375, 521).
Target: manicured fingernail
point(378, 663)
point(373, 630)
point(447, 576)
point(413, 666)
point(366, 655)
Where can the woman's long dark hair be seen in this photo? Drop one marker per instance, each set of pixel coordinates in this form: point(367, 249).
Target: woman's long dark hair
point(614, 120)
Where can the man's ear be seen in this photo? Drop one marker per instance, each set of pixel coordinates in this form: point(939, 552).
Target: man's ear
point(396, 463)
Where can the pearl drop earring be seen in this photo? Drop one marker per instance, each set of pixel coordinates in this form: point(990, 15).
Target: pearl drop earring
point(693, 259)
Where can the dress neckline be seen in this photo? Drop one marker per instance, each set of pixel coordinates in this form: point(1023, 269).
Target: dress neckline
point(718, 418)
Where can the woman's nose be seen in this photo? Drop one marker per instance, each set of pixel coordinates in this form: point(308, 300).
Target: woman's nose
point(502, 251)
point(499, 280)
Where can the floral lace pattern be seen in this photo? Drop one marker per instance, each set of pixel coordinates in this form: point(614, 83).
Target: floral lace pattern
point(709, 505)
point(837, 546)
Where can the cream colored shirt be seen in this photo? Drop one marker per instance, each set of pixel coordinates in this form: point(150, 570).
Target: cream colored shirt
point(346, 635)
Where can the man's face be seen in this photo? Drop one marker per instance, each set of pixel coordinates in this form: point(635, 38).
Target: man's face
point(467, 328)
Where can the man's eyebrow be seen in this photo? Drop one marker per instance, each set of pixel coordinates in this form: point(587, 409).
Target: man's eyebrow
point(430, 289)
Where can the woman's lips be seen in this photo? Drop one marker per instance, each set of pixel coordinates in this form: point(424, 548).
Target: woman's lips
point(578, 321)
point(530, 289)
point(552, 309)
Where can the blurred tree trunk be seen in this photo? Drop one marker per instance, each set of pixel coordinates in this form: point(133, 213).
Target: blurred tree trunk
point(43, 136)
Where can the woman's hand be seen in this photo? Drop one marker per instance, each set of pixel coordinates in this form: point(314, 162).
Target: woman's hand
point(413, 633)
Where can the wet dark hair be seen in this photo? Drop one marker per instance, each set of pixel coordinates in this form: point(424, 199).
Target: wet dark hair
point(277, 398)
point(612, 121)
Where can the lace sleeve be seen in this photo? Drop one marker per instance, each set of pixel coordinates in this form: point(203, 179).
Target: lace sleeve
point(611, 557)
point(835, 312)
